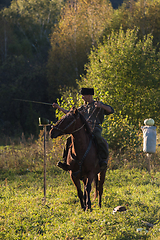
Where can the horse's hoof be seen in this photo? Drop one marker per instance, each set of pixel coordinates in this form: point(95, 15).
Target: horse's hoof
point(88, 209)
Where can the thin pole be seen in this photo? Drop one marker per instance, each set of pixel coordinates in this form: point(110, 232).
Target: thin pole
point(44, 170)
point(44, 163)
point(148, 162)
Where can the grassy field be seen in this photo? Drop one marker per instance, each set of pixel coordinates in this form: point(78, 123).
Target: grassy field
point(23, 214)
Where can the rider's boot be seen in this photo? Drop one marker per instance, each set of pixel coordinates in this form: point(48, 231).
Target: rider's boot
point(63, 165)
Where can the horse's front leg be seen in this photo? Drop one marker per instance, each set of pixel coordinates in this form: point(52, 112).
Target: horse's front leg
point(79, 191)
point(88, 191)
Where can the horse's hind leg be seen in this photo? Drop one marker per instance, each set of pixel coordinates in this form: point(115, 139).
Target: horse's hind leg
point(95, 180)
point(88, 200)
point(79, 191)
point(101, 179)
point(84, 194)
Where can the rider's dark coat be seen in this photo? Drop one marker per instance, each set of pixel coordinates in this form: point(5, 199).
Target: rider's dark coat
point(95, 117)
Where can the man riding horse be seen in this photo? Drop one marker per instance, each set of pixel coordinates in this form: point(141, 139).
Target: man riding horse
point(93, 112)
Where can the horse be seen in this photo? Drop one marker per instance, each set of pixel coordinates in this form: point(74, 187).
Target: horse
point(82, 157)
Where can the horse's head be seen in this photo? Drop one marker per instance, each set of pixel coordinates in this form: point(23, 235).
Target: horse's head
point(66, 125)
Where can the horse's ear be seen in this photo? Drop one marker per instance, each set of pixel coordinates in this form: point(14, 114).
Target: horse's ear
point(75, 111)
point(72, 109)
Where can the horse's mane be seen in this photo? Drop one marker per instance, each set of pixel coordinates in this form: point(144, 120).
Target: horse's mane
point(59, 120)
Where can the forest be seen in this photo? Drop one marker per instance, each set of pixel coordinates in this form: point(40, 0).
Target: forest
point(49, 49)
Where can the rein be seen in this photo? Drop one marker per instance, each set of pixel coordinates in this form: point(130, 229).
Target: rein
point(82, 160)
point(78, 129)
point(63, 130)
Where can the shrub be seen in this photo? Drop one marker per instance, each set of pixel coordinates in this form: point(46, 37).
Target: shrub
point(120, 134)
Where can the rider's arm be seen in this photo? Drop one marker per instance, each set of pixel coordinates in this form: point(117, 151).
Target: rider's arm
point(107, 108)
point(55, 105)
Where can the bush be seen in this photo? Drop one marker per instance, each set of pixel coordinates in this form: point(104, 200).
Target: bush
point(119, 134)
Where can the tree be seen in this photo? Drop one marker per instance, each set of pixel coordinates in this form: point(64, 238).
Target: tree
point(24, 80)
point(24, 44)
point(146, 16)
point(125, 73)
point(143, 14)
point(4, 3)
point(7, 38)
point(78, 30)
point(32, 22)
point(116, 3)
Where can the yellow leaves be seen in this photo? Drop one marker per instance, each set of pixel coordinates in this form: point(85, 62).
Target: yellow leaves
point(89, 17)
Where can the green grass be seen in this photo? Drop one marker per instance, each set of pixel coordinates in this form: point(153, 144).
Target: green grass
point(23, 215)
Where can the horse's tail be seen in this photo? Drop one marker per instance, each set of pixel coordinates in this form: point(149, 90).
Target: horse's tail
point(95, 180)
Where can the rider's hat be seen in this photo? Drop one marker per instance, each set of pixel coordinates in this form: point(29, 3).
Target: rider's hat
point(87, 91)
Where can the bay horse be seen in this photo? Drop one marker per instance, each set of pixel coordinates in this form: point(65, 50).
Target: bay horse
point(82, 157)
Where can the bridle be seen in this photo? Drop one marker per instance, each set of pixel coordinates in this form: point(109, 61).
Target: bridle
point(63, 130)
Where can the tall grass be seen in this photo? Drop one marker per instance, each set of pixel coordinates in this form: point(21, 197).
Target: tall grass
point(28, 155)
point(23, 155)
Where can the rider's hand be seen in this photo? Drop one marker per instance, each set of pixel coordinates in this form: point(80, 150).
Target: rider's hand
point(97, 104)
point(55, 105)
